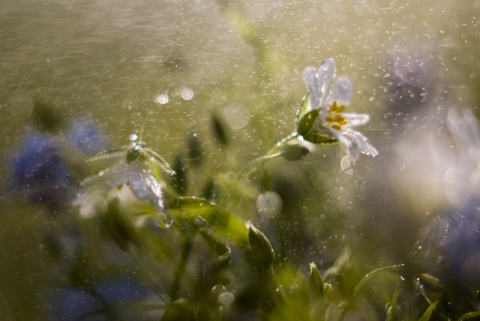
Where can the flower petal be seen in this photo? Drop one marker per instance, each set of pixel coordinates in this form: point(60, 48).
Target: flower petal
point(358, 143)
point(310, 79)
point(355, 119)
point(342, 91)
point(326, 73)
point(318, 82)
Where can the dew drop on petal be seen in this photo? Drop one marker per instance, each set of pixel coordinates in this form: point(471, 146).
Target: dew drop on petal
point(355, 120)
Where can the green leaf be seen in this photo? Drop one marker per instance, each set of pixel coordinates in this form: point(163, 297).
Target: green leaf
point(469, 315)
point(428, 313)
point(262, 254)
point(215, 244)
point(178, 311)
point(314, 134)
point(303, 109)
point(179, 176)
point(320, 138)
point(430, 279)
point(327, 289)
point(109, 154)
point(374, 273)
point(223, 222)
point(219, 128)
point(121, 229)
point(223, 260)
point(305, 124)
point(306, 119)
point(195, 150)
point(315, 283)
point(46, 117)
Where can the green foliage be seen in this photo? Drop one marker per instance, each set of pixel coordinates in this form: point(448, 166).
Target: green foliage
point(428, 313)
point(228, 254)
point(216, 265)
point(199, 210)
point(219, 130)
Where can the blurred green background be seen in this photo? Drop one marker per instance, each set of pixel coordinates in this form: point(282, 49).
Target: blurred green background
point(111, 61)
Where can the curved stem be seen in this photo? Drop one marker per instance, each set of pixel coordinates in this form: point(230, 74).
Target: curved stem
point(275, 152)
point(254, 164)
point(375, 272)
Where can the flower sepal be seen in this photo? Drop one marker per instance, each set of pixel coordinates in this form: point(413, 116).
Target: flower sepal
point(309, 127)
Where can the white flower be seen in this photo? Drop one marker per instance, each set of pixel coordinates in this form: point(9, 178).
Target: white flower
point(130, 182)
point(321, 118)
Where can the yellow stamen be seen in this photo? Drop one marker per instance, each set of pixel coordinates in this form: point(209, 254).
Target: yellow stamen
point(334, 117)
point(338, 118)
point(333, 106)
point(336, 126)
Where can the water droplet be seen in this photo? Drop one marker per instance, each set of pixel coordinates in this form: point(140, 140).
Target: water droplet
point(219, 96)
point(166, 222)
point(237, 115)
point(162, 99)
point(226, 298)
point(347, 164)
point(218, 288)
point(269, 204)
point(133, 137)
point(186, 93)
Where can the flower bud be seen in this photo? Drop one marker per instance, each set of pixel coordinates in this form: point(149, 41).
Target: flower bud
point(262, 254)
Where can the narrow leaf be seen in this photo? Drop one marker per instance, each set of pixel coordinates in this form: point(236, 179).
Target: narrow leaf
point(315, 283)
point(428, 313)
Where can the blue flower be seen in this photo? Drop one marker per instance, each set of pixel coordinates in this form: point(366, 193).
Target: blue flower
point(450, 245)
point(39, 172)
point(86, 137)
point(43, 168)
point(124, 295)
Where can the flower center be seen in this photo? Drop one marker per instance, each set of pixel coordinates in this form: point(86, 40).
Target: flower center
point(334, 117)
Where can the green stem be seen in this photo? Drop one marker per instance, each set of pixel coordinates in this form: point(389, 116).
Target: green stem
point(275, 152)
point(253, 165)
point(179, 271)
